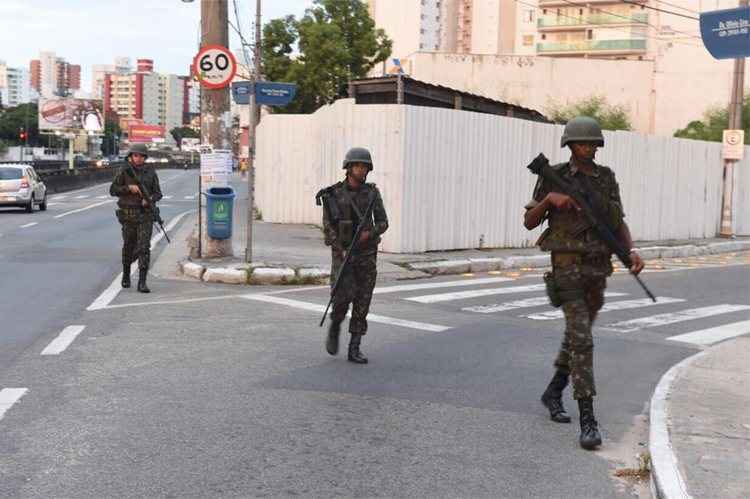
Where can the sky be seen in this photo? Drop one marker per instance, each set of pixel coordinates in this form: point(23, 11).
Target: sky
point(88, 32)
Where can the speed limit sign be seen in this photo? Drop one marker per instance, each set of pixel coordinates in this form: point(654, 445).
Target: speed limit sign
point(214, 66)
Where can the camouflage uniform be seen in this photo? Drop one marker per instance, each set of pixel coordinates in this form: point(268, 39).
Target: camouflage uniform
point(581, 263)
point(358, 281)
point(136, 221)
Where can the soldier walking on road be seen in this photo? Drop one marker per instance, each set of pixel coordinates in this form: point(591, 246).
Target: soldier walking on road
point(135, 213)
point(581, 263)
point(344, 209)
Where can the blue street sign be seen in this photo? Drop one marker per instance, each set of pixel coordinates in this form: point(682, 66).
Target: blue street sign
point(241, 91)
point(274, 94)
point(726, 33)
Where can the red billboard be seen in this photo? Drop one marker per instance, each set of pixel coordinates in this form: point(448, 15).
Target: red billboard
point(145, 133)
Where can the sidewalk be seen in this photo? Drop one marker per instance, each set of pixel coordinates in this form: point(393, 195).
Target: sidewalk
point(288, 254)
point(700, 425)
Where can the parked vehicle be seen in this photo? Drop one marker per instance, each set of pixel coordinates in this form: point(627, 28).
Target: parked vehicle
point(21, 186)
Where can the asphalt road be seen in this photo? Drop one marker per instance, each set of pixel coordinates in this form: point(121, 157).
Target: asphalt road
point(204, 390)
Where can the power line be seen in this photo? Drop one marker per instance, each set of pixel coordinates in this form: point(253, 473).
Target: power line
point(631, 19)
point(614, 28)
point(631, 2)
point(677, 6)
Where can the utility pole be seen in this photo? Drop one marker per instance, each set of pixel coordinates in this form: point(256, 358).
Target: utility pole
point(252, 123)
point(735, 123)
point(215, 102)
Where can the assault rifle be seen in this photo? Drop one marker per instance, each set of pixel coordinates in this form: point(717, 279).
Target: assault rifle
point(150, 204)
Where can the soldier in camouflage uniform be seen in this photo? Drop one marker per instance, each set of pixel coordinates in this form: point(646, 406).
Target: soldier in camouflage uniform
point(581, 263)
point(344, 207)
point(134, 216)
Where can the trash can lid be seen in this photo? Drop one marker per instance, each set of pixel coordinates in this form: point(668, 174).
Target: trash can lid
point(220, 191)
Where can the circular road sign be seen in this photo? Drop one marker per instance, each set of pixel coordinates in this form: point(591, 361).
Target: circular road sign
point(214, 66)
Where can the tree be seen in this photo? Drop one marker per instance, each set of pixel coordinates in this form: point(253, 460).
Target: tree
point(715, 121)
point(610, 117)
point(3, 147)
point(337, 42)
point(112, 134)
point(21, 117)
point(178, 133)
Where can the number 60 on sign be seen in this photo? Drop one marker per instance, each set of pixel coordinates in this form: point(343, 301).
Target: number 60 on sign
point(214, 66)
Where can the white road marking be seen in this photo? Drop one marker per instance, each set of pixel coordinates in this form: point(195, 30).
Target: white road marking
point(8, 397)
point(58, 196)
point(314, 307)
point(53, 204)
point(82, 197)
point(462, 295)
point(114, 288)
point(174, 302)
point(103, 197)
point(189, 197)
point(167, 197)
point(608, 307)
point(681, 316)
point(435, 285)
point(84, 208)
point(29, 225)
point(715, 334)
point(63, 340)
point(529, 302)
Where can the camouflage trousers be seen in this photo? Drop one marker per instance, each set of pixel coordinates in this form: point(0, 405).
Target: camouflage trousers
point(581, 288)
point(356, 287)
point(137, 228)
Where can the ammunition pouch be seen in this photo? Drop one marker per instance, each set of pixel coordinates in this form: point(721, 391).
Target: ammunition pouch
point(559, 296)
point(129, 215)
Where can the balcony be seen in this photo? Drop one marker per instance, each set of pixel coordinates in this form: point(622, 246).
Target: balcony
point(607, 47)
point(566, 3)
point(566, 23)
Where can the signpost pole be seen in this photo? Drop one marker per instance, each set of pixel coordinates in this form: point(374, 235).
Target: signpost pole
point(252, 140)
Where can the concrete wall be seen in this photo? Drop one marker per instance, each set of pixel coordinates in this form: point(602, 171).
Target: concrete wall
point(452, 178)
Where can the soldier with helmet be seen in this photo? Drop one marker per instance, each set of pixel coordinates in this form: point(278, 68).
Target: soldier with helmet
point(344, 209)
point(135, 214)
point(581, 263)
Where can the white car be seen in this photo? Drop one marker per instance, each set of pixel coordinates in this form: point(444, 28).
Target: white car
point(21, 186)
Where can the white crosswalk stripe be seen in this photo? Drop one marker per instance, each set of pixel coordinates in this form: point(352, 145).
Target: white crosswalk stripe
point(511, 305)
point(462, 295)
point(672, 318)
point(608, 307)
point(714, 335)
point(84, 196)
point(436, 285)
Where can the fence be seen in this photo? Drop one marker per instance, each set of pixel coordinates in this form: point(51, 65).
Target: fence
point(454, 179)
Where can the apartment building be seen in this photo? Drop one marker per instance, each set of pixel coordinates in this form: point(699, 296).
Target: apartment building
point(15, 86)
point(51, 75)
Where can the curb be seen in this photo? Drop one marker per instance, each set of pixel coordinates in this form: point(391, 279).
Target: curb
point(474, 265)
point(259, 273)
point(255, 274)
point(666, 479)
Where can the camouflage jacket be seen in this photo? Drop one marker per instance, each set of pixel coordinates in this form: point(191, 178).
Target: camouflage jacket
point(341, 219)
point(122, 181)
point(568, 230)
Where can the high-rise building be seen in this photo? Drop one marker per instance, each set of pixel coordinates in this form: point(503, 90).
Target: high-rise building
point(15, 86)
point(52, 75)
point(146, 96)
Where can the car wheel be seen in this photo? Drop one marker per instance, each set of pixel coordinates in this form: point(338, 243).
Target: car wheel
point(30, 206)
point(43, 205)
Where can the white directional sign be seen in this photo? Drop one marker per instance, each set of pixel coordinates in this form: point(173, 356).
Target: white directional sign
point(214, 66)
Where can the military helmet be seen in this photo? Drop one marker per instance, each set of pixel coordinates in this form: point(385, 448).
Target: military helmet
point(138, 149)
point(582, 129)
point(358, 155)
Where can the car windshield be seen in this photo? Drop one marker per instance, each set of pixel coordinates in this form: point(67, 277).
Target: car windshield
point(10, 173)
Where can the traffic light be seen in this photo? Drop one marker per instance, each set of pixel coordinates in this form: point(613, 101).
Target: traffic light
point(22, 135)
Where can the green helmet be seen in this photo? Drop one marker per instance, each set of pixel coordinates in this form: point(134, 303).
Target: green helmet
point(138, 149)
point(358, 155)
point(582, 129)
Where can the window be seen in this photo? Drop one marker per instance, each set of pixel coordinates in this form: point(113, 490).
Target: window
point(544, 36)
point(528, 40)
point(589, 34)
point(528, 16)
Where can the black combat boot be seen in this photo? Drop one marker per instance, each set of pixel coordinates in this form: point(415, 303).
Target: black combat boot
point(142, 281)
point(552, 397)
point(590, 437)
point(354, 354)
point(126, 276)
point(332, 340)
